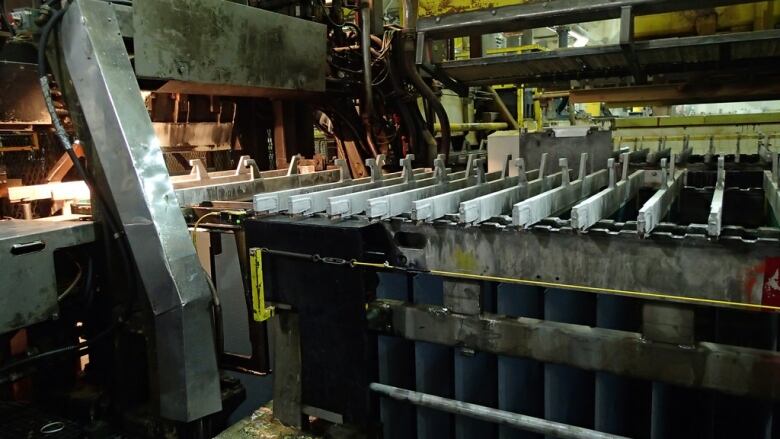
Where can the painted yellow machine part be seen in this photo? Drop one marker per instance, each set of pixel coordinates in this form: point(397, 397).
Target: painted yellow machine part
point(260, 312)
point(745, 17)
point(442, 7)
point(593, 108)
point(750, 16)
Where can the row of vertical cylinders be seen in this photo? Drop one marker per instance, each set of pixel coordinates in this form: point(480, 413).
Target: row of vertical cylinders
point(595, 400)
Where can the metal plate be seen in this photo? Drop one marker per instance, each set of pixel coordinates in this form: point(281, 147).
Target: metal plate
point(29, 292)
point(598, 146)
point(221, 43)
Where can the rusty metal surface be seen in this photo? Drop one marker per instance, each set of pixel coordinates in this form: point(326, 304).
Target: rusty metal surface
point(227, 44)
point(199, 136)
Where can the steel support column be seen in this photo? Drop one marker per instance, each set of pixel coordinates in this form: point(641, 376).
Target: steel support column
point(140, 189)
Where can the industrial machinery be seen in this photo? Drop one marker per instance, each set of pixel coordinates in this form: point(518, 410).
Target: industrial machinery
point(170, 225)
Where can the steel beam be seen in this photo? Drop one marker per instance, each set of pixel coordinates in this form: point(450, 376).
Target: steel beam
point(141, 191)
point(536, 15)
point(772, 187)
point(674, 94)
point(558, 67)
point(715, 218)
point(319, 201)
point(529, 212)
point(488, 206)
point(722, 368)
point(608, 201)
point(246, 170)
point(435, 207)
point(656, 208)
point(730, 274)
point(279, 201)
point(246, 187)
point(357, 202)
point(403, 202)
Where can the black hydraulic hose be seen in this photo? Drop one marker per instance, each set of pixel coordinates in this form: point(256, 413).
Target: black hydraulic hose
point(77, 348)
point(409, 46)
point(368, 86)
point(365, 46)
point(89, 288)
point(409, 42)
point(403, 110)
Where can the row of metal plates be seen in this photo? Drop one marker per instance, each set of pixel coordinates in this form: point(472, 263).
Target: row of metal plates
point(473, 196)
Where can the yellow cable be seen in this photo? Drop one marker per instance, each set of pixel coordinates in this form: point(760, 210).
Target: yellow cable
point(195, 228)
point(665, 296)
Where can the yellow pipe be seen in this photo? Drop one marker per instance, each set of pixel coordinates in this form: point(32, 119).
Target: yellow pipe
point(538, 111)
point(479, 126)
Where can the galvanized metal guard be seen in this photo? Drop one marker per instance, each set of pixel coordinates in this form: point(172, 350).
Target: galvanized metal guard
point(140, 189)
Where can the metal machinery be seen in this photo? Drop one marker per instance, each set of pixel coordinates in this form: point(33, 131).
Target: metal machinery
point(570, 289)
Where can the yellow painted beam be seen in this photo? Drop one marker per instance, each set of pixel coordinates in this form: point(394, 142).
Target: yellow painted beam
point(744, 17)
point(689, 121)
point(442, 7)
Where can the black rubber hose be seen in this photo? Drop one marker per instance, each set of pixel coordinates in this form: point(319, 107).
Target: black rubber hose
point(403, 110)
point(409, 47)
point(78, 348)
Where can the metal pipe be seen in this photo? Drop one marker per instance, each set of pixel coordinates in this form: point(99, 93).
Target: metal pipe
point(501, 417)
point(502, 109)
point(406, 115)
point(563, 36)
point(409, 52)
point(365, 43)
point(410, 14)
point(476, 126)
